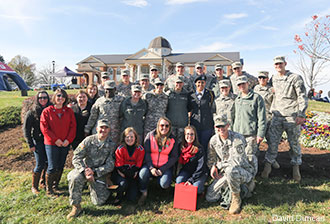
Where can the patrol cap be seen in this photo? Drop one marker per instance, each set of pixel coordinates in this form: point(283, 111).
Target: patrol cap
point(144, 76)
point(218, 66)
point(241, 79)
point(236, 64)
point(199, 65)
point(220, 119)
point(136, 88)
point(110, 84)
point(153, 67)
point(224, 83)
point(105, 75)
point(279, 59)
point(178, 79)
point(200, 77)
point(158, 81)
point(125, 72)
point(179, 64)
point(103, 122)
point(263, 74)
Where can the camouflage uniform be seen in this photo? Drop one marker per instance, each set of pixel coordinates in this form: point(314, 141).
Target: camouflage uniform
point(99, 156)
point(225, 105)
point(290, 102)
point(124, 90)
point(230, 159)
point(157, 104)
point(266, 92)
point(101, 90)
point(106, 108)
point(216, 88)
point(151, 87)
point(253, 81)
point(170, 82)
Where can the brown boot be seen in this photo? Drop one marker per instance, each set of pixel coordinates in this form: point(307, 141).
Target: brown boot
point(35, 183)
point(57, 179)
point(267, 169)
point(235, 204)
point(49, 185)
point(296, 173)
point(76, 210)
point(42, 183)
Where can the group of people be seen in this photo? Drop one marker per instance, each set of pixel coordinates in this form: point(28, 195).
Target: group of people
point(186, 127)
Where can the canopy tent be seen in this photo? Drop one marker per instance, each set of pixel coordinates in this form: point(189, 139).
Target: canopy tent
point(7, 72)
point(65, 72)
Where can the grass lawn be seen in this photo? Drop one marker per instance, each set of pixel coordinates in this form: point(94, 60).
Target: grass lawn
point(272, 200)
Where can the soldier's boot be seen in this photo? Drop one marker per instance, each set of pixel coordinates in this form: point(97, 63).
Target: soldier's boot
point(251, 185)
point(35, 183)
point(276, 165)
point(235, 204)
point(49, 185)
point(296, 173)
point(57, 178)
point(267, 169)
point(76, 210)
point(42, 183)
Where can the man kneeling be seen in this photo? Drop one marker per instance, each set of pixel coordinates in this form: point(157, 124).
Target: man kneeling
point(228, 163)
point(93, 160)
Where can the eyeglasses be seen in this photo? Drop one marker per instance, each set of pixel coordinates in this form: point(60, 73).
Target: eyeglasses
point(43, 98)
point(59, 95)
point(220, 126)
point(190, 134)
point(164, 125)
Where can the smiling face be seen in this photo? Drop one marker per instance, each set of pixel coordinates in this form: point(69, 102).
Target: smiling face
point(92, 92)
point(219, 72)
point(159, 88)
point(222, 130)
point(225, 91)
point(189, 135)
point(144, 83)
point(180, 70)
point(130, 139)
point(163, 127)
point(238, 70)
point(136, 95)
point(200, 85)
point(42, 99)
point(82, 99)
point(178, 86)
point(243, 87)
point(154, 73)
point(125, 79)
point(262, 80)
point(102, 132)
point(280, 67)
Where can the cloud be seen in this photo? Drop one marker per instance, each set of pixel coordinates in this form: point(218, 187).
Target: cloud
point(216, 46)
point(181, 2)
point(269, 28)
point(136, 3)
point(235, 16)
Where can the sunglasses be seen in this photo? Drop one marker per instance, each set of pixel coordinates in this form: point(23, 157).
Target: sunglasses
point(59, 95)
point(164, 125)
point(262, 77)
point(43, 97)
point(221, 126)
point(159, 84)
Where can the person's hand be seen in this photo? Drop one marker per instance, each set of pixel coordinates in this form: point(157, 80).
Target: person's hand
point(33, 149)
point(153, 171)
point(135, 175)
point(159, 172)
point(187, 183)
point(59, 143)
point(89, 174)
point(259, 139)
point(214, 173)
point(65, 143)
point(300, 120)
point(121, 174)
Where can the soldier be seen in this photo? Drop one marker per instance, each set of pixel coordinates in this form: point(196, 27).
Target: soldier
point(199, 69)
point(228, 164)
point(224, 104)
point(104, 77)
point(106, 107)
point(177, 110)
point(237, 68)
point(93, 160)
point(157, 102)
point(170, 81)
point(153, 74)
point(250, 119)
point(124, 87)
point(288, 109)
point(133, 111)
point(218, 77)
point(145, 83)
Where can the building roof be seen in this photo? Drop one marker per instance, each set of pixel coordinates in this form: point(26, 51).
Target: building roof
point(112, 58)
point(194, 57)
point(159, 42)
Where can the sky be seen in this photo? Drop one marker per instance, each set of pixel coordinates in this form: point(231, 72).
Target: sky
point(68, 31)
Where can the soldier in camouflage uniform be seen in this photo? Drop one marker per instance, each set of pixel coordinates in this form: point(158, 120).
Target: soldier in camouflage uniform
point(93, 160)
point(288, 109)
point(228, 163)
point(104, 77)
point(145, 83)
point(157, 102)
point(124, 87)
point(106, 107)
point(237, 68)
point(216, 81)
point(177, 110)
point(199, 70)
point(225, 102)
point(170, 81)
point(153, 74)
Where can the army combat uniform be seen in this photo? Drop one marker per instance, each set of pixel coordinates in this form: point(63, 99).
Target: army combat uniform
point(124, 90)
point(253, 81)
point(99, 156)
point(225, 105)
point(170, 82)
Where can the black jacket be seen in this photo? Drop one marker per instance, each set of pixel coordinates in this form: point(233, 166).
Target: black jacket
point(31, 129)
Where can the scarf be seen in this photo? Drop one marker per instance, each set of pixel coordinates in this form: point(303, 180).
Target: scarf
point(187, 152)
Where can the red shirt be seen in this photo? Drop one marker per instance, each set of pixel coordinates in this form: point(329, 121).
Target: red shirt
point(57, 124)
point(123, 158)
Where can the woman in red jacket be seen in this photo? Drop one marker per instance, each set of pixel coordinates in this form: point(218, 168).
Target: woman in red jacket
point(129, 159)
point(58, 125)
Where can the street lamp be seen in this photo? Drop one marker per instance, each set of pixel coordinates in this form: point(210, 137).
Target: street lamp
point(53, 66)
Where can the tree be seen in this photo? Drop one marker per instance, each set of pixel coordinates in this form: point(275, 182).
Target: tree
point(2, 59)
point(23, 67)
point(314, 50)
point(44, 75)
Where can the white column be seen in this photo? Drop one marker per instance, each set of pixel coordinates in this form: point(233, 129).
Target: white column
point(138, 71)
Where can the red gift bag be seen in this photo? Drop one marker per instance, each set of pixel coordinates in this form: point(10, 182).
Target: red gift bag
point(185, 197)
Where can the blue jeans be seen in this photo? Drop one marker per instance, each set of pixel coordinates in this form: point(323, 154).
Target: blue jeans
point(204, 138)
point(184, 176)
point(128, 185)
point(56, 158)
point(40, 156)
point(164, 181)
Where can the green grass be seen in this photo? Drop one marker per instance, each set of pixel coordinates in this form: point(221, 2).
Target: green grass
point(318, 106)
point(272, 199)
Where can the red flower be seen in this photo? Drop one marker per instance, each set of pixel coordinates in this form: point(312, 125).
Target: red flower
point(297, 38)
point(301, 47)
point(314, 17)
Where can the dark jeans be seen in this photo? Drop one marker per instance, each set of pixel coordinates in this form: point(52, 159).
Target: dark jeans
point(56, 157)
point(128, 185)
point(164, 181)
point(183, 176)
point(204, 138)
point(40, 156)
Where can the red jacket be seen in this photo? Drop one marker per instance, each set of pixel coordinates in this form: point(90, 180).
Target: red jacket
point(123, 158)
point(53, 127)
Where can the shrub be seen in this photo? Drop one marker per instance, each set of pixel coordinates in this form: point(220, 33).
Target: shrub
point(10, 117)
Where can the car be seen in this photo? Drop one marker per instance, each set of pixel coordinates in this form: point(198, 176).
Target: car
point(56, 86)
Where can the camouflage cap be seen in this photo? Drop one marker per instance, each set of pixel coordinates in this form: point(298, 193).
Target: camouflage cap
point(236, 64)
point(125, 72)
point(110, 84)
point(158, 81)
point(105, 74)
point(241, 79)
point(179, 64)
point(263, 74)
point(136, 88)
point(218, 66)
point(144, 76)
point(200, 77)
point(199, 65)
point(153, 67)
point(220, 119)
point(279, 59)
point(224, 83)
point(103, 122)
point(179, 79)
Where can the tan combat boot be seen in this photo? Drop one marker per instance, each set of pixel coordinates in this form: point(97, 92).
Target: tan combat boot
point(276, 165)
point(235, 204)
point(267, 169)
point(76, 210)
point(35, 183)
point(296, 173)
point(251, 185)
